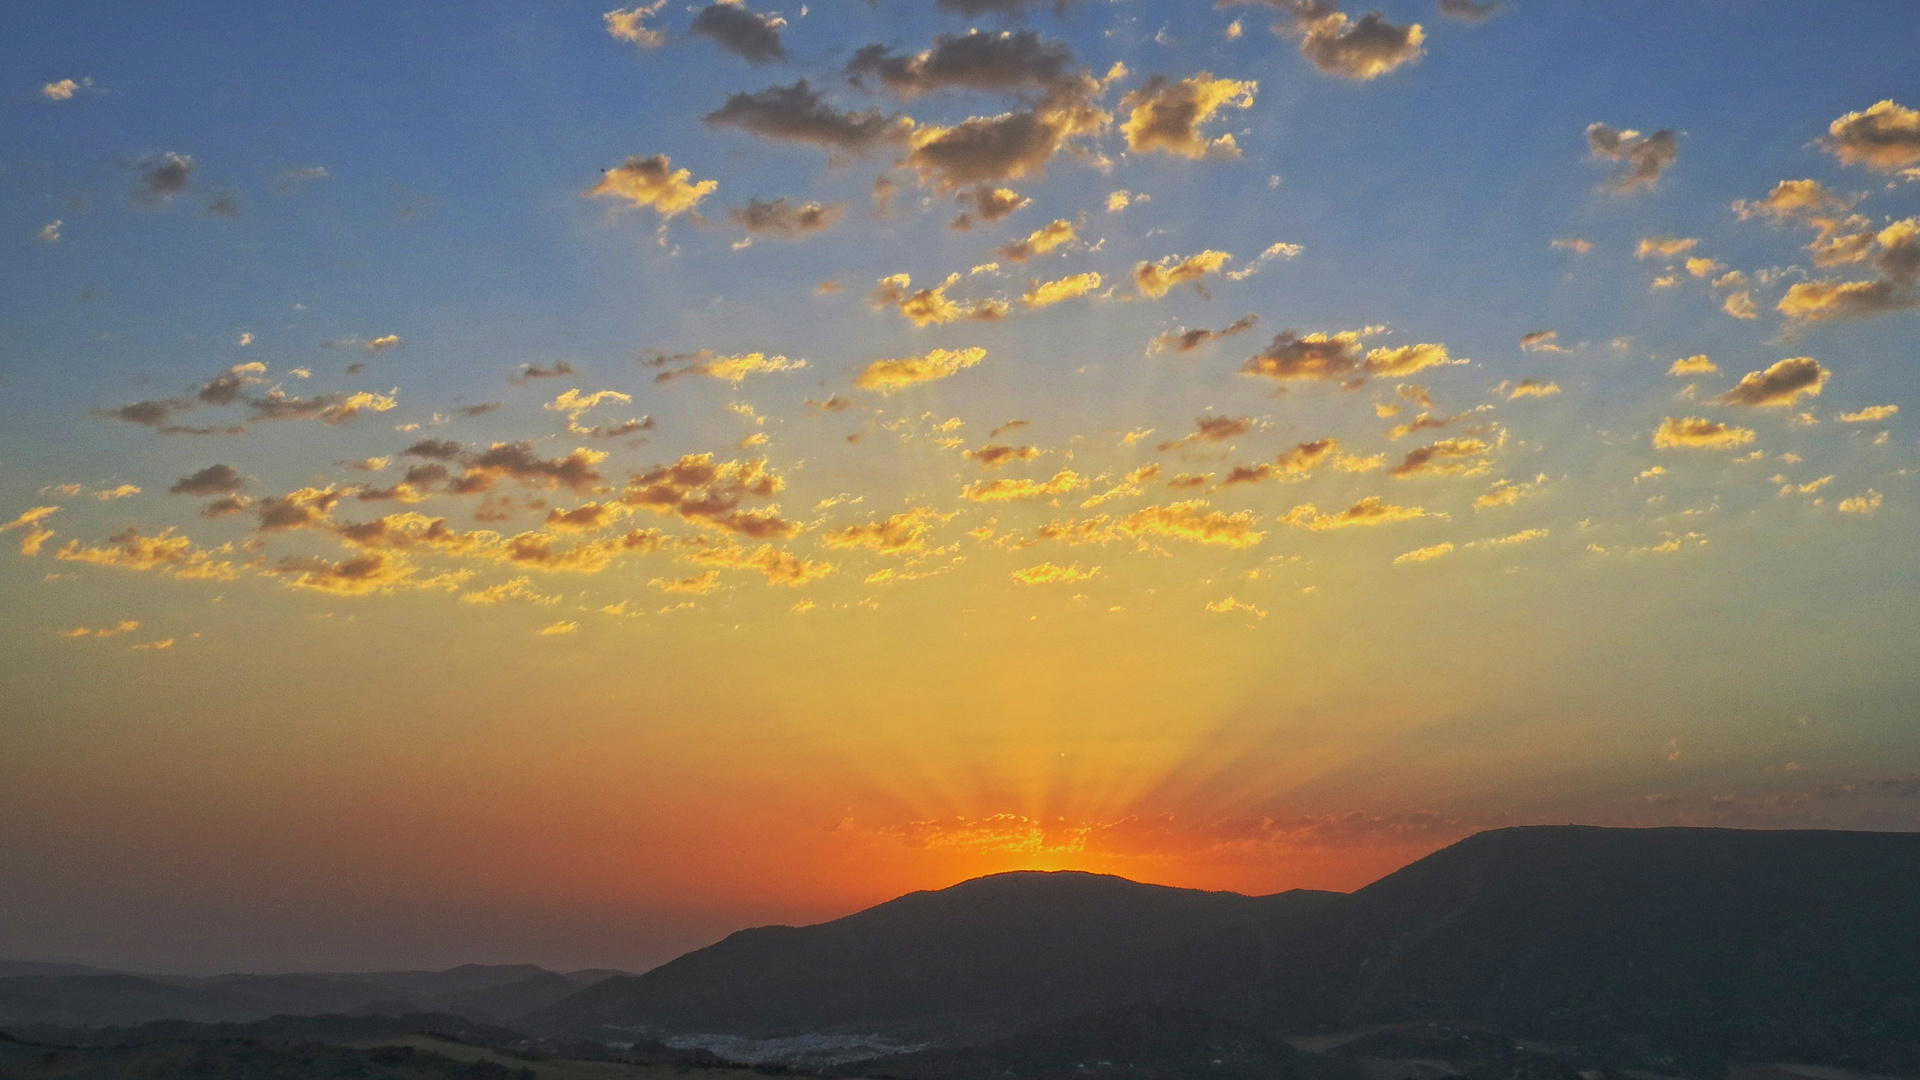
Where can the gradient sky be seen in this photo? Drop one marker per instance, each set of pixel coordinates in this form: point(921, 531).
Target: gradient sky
point(498, 482)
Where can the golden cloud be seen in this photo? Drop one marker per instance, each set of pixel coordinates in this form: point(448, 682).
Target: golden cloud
point(1007, 489)
point(1043, 294)
point(887, 376)
point(1868, 415)
point(1040, 242)
point(733, 369)
point(1696, 431)
point(1166, 115)
point(904, 533)
point(994, 455)
point(1157, 279)
point(1444, 457)
point(931, 306)
point(653, 182)
point(1425, 554)
point(1192, 520)
point(1885, 137)
point(1372, 510)
point(1693, 365)
point(1048, 573)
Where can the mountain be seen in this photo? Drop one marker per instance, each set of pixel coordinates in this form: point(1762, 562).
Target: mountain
point(983, 957)
point(97, 997)
point(1663, 949)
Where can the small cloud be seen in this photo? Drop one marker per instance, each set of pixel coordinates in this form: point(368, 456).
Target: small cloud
point(1425, 554)
point(1778, 386)
point(1693, 365)
point(1165, 116)
point(290, 180)
point(1868, 415)
point(50, 232)
point(64, 89)
point(1533, 388)
point(740, 30)
point(383, 343)
point(1642, 158)
point(653, 182)
point(162, 178)
point(888, 376)
point(1157, 279)
point(1185, 340)
point(630, 24)
point(1044, 294)
point(1574, 244)
point(1699, 432)
point(1051, 574)
point(556, 628)
point(1229, 605)
point(788, 221)
point(1542, 341)
point(1372, 510)
point(1862, 504)
point(1664, 247)
point(1471, 11)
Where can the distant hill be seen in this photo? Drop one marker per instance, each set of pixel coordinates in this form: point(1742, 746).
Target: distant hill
point(96, 997)
point(986, 956)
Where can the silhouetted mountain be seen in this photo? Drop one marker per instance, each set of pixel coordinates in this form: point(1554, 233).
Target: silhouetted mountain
point(1136, 1042)
point(990, 955)
point(487, 993)
point(278, 1031)
point(1657, 948)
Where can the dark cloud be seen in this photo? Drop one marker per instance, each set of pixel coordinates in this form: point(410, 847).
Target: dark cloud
point(788, 221)
point(989, 202)
point(799, 113)
point(1166, 114)
point(212, 480)
point(478, 410)
point(996, 63)
point(1337, 45)
point(742, 31)
point(1470, 10)
point(163, 177)
point(517, 461)
point(986, 149)
point(1188, 340)
point(1642, 158)
point(1885, 138)
point(535, 371)
point(1779, 385)
point(435, 449)
point(1013, 9)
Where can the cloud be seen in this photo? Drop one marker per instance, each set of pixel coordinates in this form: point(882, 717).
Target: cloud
point(630, 24)
point(1166, 115)
point(517, 461)
point(289, 180)
point(1693, 365)
point(1444, 457)
point(212, 480)
point(931, 306)
point(1870, 414)
point(1294, 461)
point(995, 63)
point(1213, 429)
point(1542, 341)
point(1157, 279)
point(989, 149)
point(788, 221)
point(1333, 357)
point(33, 534)
point(162, 178)
point(360, 575)
point(535, 371)
point(63, 89)
point(1184, 340)
point(994, 455)
point(1229, 605)
point(1885, 137)
point(1041, 294)
point(1506, 492)
point(1273, 251)
point(887, 376)
point(1574, 244)
point(125, 626)
point(1895, 254)
point(742, 31)
point(1696, 431)
point(1337, 45)
point(1425, 554)
point(1653, 247)
point(653, 182)
point(176, 556)
point(1040, 242)
point(778, 567)
point(1793, 200)
point(904, 533)
point(1372, 510)
point(383, 343)
point(989, 202)
point(1642, 158)
point(733, 369)
point(699, 584)
point(517, 588)
point(330, 409)
point(1533, 388)
point(50, 232)
point(435, 449)
point(1193, 521)
point(1471, 11)
point(1780, 385)
point(799, 113)
point(1862, 504)
point(1008, 489)
point(1013, 9)
point(700, 491)
point(1048, 573)
point(1740, 305)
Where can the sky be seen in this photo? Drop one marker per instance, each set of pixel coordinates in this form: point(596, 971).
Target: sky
point(538, 483)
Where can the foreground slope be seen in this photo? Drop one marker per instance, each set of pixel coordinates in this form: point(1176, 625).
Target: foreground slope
point(988, 955)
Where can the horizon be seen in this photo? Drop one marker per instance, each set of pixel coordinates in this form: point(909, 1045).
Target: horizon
point(570, 480)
